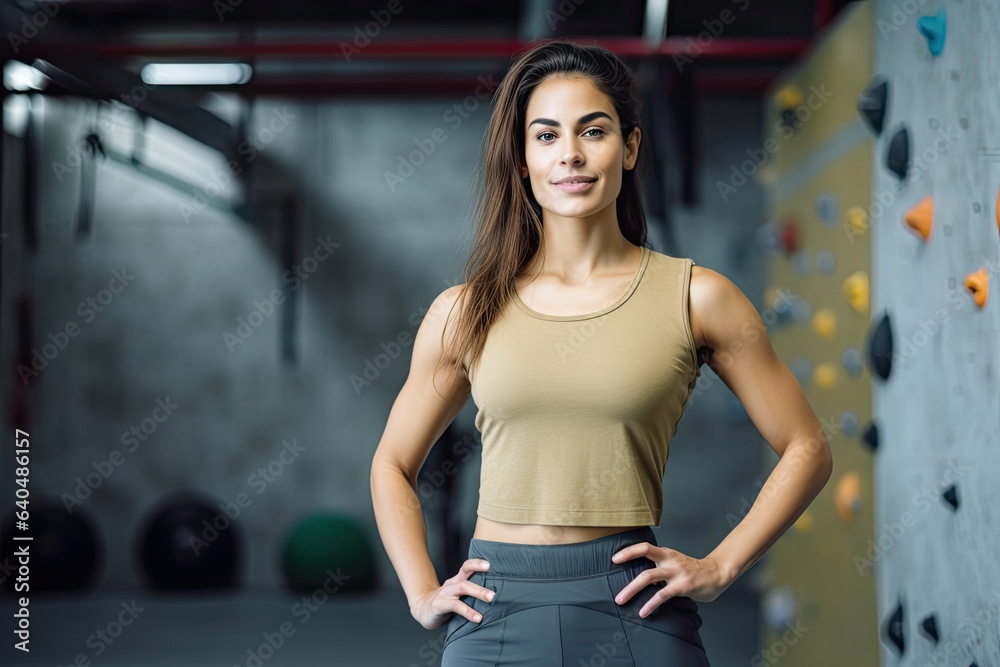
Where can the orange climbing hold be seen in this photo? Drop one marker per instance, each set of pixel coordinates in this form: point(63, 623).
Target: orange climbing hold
point(978, 284)
point(998, 210)
point(920, 218)
point(848, 496)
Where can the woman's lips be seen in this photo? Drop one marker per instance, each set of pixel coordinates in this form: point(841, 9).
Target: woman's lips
point(574, 187)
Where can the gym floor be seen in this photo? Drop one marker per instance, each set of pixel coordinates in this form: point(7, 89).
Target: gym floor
point(215, 629)
point(368, 629)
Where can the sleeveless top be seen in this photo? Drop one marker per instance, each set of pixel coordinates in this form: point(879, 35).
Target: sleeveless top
point(576, 412)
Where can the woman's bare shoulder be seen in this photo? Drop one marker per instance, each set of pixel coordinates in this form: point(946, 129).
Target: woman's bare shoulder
point(715, 303)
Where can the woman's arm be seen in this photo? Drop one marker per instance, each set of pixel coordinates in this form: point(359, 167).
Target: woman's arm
point(419, 416)
point(725, 322)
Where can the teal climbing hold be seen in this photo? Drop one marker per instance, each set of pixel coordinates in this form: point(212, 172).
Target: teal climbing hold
point(933, 30)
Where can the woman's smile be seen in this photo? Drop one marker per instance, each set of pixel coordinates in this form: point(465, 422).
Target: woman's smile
point(575, 186)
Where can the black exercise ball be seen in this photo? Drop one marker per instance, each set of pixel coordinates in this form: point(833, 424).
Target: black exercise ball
point(64, 553)
point(187, 543)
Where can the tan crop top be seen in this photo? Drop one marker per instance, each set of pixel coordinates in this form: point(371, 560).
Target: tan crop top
point(576, 412)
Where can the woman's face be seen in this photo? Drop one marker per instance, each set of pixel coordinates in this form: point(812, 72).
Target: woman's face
point(572, 130)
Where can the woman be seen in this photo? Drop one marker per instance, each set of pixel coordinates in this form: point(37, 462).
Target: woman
point(580, 346)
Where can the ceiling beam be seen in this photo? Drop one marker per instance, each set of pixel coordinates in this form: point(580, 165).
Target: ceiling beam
point(722, 48)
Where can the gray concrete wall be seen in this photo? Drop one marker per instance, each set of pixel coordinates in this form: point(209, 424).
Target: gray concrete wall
point(939, 412)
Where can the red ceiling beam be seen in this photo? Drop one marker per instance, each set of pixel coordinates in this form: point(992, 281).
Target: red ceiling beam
point(397, 87)
point(692, 47)
point(823, 13)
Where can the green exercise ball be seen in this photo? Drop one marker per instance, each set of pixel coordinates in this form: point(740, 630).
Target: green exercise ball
point(328, 551)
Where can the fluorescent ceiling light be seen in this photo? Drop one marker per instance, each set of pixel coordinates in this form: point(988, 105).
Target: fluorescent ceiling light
point(18, 76)
point(197, 74)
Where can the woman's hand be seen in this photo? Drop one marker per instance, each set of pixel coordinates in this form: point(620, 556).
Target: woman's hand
point(701, 579)
point(435, 607)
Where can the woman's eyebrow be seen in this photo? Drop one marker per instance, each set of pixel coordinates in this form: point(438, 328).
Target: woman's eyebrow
point(583, 119)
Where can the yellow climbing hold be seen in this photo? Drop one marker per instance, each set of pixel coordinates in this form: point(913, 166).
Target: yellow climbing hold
point(790, 97)
point(824, 322)
point(825, 375)
point(856, 291)
point(857, 217)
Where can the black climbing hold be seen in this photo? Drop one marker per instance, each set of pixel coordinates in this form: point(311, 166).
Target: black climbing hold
point(880, 348)
point(870, 436)
point(950, 496)
point(872, 103)
point(898, 156)
point(929, 626)
point(893, 629)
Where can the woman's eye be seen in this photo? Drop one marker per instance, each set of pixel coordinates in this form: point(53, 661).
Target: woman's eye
point(599, 131)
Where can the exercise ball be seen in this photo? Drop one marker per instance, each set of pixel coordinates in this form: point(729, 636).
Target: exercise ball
point(188, 543)
point(331, 551)
point(64, 552)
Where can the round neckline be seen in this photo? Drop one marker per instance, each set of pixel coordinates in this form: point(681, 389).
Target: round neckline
point(643, 261)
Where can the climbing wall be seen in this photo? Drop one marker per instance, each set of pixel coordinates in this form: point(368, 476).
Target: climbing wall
point(934, 330)
point(819, 604)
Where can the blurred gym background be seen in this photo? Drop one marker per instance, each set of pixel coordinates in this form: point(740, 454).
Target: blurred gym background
point(222, 224)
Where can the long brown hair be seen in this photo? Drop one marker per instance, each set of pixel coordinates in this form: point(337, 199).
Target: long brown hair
point(510, 225)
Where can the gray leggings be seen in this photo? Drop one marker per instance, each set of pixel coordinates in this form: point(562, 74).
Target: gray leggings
point(553, 605)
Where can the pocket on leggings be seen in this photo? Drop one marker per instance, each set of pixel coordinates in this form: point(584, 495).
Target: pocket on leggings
point(460, 625)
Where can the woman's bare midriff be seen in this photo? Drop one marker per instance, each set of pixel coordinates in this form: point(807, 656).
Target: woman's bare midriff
point(530, 533)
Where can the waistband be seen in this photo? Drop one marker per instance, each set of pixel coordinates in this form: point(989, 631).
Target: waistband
point(560, 561)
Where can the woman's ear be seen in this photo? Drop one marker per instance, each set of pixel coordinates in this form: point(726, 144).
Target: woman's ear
point(524, 171)
point(632, 148)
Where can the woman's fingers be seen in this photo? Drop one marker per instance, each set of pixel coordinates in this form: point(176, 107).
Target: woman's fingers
point(465, 587)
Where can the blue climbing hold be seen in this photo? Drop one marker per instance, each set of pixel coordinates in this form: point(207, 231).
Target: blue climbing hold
point(933, 30)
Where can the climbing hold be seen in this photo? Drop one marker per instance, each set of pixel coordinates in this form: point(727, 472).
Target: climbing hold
point(978, 284)
point(898, 157)
point(950, 496)
point(870, 436)
point(778, 304)
point(801, 368)
point(849, 496)
point(825, 262)
point(849, 423)
point(851, 361)
point(929, 626)
point(804, 523)
point(933, 28)
point(825, 375)
point(893, 629)
point(824, 322)
point(920, 218)
point(857, 217)
point(880, 348)
point(998, 210)
point(826, 209)
point(800, 262)
point(767, 237)
point(801, 310)
point(778, 606)
point(872, 103)
point(789, 99)
point(856, 290)
point(790, 236)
